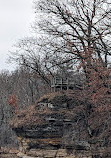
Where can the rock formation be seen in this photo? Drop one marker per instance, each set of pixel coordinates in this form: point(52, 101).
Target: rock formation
point(56, 127)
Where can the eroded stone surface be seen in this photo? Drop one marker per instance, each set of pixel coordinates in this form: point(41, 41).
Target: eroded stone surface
point(55, 127)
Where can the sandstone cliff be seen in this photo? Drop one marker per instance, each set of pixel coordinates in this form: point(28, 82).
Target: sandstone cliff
point(57, 127)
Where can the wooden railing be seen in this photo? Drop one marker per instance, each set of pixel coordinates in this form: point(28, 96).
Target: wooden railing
point(61, 83)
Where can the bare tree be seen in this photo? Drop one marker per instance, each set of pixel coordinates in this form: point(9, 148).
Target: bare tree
point(67, 30)
point(27, 55)
point(71, 28)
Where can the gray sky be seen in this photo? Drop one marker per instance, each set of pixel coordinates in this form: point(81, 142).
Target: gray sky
point(16, 17)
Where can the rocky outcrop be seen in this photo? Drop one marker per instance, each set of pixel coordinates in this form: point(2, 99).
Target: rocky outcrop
point(8, 153)
point(55, 127)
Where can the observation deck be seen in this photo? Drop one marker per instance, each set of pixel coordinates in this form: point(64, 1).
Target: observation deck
point(61, 83)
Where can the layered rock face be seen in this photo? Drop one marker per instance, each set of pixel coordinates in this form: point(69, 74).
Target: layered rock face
point(54, 127)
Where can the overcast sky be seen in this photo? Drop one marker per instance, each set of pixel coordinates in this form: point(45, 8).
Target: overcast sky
point(16, 17)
